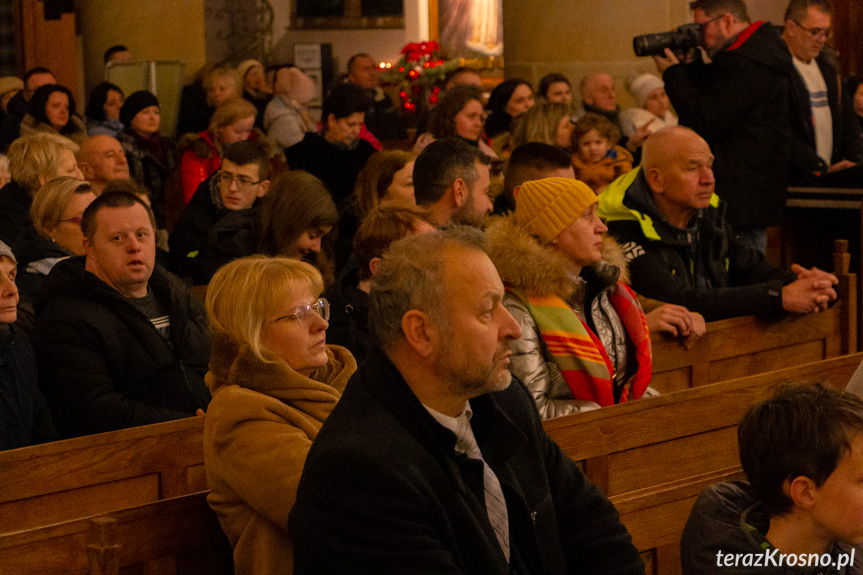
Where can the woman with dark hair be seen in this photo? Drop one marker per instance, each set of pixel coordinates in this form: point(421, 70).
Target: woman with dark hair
point(459, 114)
point(103, 110)
point(555, 88)
point(150, 154)
point(337, 154)
point(386, 177)
point(296, 221)
point(52, 110)
point(508, 101)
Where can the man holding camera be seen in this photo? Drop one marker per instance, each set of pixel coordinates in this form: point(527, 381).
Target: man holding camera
point(738, 103)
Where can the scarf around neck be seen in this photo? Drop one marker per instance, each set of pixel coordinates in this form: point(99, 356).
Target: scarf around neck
point(579, 353)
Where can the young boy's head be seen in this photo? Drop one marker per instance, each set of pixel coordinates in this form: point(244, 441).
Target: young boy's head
point(592, 137)
point(802, 451)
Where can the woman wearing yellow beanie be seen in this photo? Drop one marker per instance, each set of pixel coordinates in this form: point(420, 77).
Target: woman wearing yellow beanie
point(585, 341)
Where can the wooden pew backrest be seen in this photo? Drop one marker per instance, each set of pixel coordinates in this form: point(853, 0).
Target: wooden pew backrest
point(100, 473)
point(178, 536)
point(749, 345)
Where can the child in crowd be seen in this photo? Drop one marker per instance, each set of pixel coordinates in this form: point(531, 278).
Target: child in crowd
point(802, 509)
point(596, 158)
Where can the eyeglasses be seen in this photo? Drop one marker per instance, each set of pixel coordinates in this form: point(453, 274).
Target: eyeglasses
point(303, 313)
point(816, 32)
point(242, 181)
point(76, 220)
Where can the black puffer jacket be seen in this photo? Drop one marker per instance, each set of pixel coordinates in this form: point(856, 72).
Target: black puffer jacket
point(103, 365)
point(727, 519)
point(739, 104)
point(705, 268)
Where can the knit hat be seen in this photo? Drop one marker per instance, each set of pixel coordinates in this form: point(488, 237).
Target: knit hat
point(5, 250)
point(544, 208)
point(302, 88)
point(643, 85)
point(135, 103)
point(9, 83)
point(247, 65)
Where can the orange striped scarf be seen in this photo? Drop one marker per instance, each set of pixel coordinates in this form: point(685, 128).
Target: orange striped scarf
point(579, 353)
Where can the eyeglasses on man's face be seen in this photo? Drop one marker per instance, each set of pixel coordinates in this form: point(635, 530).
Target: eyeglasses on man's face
point(242, 181)
point(303, 313)
point(826, 33)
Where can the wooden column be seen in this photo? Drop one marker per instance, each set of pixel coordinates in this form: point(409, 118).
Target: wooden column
point(49, 43)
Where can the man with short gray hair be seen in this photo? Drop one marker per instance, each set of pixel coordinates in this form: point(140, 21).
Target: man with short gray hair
point(435, 460)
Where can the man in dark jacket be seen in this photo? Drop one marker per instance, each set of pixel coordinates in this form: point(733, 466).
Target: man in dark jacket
point(241, 180)
point(825, 132)
point(24, 416)
point(739, 104)
point(120, 342)
point(681, 250)
point(434, 460)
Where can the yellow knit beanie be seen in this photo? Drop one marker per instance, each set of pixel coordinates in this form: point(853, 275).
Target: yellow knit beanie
point(544, 208)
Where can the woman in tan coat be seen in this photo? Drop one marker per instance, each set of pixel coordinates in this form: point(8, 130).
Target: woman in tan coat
point(274, 381)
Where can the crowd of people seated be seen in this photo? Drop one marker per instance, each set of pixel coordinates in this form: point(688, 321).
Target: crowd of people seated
point(519, 236)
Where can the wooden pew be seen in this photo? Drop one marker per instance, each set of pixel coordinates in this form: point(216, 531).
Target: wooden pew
point(86, 476)
point(750, 345)
point(177, 536)
point(652, 457)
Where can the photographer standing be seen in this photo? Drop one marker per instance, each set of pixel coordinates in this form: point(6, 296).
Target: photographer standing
point(739, 104)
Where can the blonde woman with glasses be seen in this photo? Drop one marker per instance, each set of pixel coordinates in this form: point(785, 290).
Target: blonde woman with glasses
point(274, 381)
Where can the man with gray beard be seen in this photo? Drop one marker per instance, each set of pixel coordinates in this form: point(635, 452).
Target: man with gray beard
point(434, 459)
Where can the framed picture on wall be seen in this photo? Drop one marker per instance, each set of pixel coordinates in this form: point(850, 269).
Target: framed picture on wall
point(467, 28)
point(318, 14)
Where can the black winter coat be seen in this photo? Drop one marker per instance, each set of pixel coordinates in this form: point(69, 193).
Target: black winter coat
point(102, 364)
point(383, 491)
point(336, 167)
point(739, 104)
point(202, 239)
point(24, 416)
point(705, 268)
point(349, 314)
point(15, 202)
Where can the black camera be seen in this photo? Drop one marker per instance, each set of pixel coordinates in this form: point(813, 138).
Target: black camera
point(682, 39)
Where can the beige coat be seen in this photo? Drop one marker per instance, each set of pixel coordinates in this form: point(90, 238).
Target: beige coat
point(257, 432)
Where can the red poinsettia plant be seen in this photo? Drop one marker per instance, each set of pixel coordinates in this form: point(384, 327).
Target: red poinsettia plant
point(420, 68)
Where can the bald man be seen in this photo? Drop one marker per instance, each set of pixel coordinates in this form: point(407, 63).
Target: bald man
point(101, 159)
point(681, 250)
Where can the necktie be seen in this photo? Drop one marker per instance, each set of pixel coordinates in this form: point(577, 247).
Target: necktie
point(495, 504)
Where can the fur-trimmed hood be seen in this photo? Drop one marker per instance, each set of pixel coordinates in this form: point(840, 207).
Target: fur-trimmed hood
point(523, 263)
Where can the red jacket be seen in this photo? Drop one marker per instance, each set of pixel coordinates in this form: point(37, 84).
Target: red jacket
point(194, 169)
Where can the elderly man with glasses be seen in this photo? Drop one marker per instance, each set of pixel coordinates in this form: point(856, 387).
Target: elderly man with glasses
point(739, 104)
point(825, 135)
